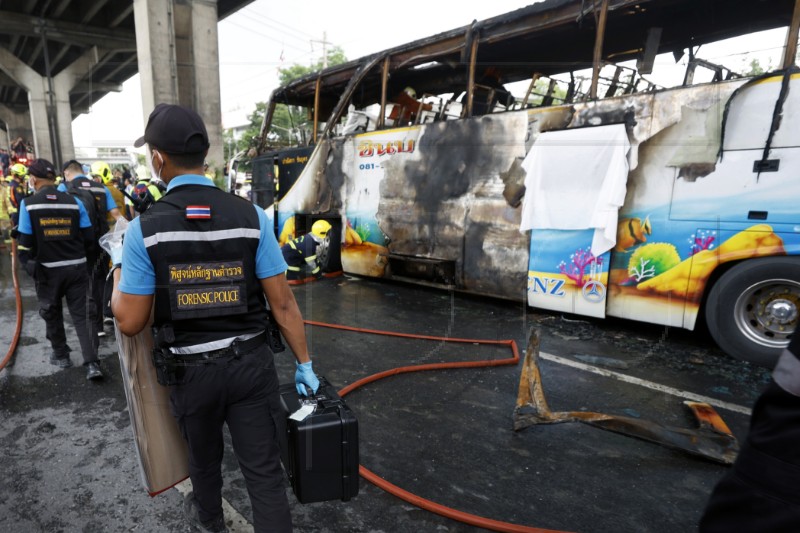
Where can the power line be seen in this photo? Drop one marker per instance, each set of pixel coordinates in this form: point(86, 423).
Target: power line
point(260, 34)
point(282, 29)
point(281, 23)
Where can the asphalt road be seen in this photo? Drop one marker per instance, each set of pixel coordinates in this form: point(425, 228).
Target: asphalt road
point(68, 462)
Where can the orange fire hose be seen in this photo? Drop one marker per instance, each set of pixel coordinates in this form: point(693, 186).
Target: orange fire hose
point(12, 348)
point(428, 505)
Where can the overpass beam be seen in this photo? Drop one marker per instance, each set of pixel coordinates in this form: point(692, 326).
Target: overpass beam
point(179, 61)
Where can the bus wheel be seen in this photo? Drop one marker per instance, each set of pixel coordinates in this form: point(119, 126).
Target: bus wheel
point(752, 310)
point(329, 252)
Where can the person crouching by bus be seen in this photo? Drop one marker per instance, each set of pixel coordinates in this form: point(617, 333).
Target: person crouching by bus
point(55, 236)
point(760, 492)
point(301, 254)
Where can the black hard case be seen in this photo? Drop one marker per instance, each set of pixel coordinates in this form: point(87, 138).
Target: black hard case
point(320, 454)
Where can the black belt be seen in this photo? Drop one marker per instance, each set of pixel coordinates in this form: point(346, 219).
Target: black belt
point(236, 348)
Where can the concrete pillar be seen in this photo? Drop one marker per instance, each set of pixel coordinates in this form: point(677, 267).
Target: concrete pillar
point(204, 77)
point(156, 53)
point(38, 102)
point(63, 83)
point(178, 55)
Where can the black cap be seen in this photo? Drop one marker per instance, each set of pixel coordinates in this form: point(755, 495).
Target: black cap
point(175, 130)
point(42, 168)
point(70, 163)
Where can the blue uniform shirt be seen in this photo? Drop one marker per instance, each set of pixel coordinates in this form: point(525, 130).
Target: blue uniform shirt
point(138, 275)
point(110, 203)
point(25, 219)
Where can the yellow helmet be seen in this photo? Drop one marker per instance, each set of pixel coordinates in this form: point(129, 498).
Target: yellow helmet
point(320, 228)
point(101, 168)
point(19, 170)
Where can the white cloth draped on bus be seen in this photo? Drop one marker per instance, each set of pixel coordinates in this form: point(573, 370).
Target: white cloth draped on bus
point(576, 179)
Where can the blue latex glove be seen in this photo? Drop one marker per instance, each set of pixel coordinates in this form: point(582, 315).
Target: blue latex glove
point(116, 255)
point(305, 376)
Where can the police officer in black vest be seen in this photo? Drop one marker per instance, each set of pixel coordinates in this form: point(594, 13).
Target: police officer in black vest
point(55, 237)
point(761, 492)
point(93, 197)
point(208, 259)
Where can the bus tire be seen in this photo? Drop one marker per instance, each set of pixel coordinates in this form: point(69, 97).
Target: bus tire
point(752, 310)
point(329, 252)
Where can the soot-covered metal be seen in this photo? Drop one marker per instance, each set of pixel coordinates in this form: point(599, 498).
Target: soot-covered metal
point(448, 203)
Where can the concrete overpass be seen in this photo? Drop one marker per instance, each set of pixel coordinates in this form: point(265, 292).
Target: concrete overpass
point(58, 57)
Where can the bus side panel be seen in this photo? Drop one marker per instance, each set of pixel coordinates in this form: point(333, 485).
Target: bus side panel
point(563, 274)
point(720, 209)
point(365, 162)
point(444, 203)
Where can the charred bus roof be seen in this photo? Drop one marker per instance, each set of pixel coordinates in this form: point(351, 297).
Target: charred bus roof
point(546, 38)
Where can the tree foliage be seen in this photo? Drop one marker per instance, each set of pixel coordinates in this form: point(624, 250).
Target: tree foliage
point(754, 67)
point(290, 124)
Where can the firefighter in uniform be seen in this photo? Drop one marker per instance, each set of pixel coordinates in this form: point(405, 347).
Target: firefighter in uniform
point(5, 219)
point(16, 190)
point(300, 254)
point(146, 192)
point(760, 492)
point(97, 203)
point(55, 236)
point(208, 259)
point(102, 173)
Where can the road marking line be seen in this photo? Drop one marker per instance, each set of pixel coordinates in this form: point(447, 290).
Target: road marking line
point(236, 522)
point(647, 384)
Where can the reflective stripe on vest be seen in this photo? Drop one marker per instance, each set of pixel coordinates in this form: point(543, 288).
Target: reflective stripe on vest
point(34, 207)
point(65, 263)
point(204, 236)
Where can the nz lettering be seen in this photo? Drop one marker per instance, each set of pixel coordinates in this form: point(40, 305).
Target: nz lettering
point(550, 286)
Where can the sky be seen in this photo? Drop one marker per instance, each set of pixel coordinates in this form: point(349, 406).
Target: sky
point(265, 35)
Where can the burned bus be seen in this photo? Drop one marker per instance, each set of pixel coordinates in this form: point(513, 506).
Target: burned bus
point(593, 190)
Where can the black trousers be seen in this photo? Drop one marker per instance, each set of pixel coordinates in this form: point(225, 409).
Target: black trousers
point(761, 492)
point(72, 282)
point(242, 392)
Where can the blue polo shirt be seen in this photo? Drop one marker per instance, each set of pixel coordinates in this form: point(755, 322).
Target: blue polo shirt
point(138, 275)
point(110, 203)
point(25, 219)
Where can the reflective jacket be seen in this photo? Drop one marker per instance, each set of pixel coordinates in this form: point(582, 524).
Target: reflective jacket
point(203, 243)
point(301, 252)
point(16, 193)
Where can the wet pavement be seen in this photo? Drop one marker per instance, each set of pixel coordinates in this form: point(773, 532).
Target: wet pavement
point(68, 461)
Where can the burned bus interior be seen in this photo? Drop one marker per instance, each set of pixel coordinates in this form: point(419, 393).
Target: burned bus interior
point(556, 51)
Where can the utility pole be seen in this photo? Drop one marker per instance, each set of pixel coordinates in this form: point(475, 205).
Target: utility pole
point(325, 44)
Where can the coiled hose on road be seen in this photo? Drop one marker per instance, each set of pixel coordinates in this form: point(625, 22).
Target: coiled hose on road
point(428, 505)
point(18, 296)
point(418, 501)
